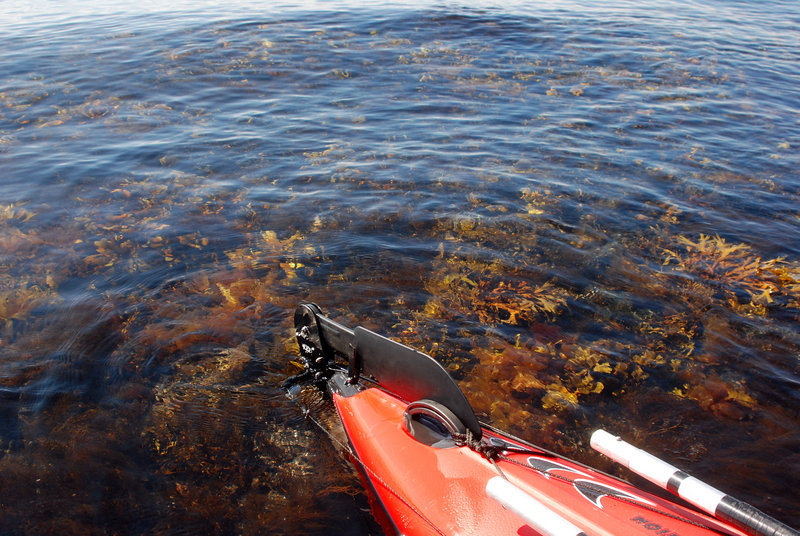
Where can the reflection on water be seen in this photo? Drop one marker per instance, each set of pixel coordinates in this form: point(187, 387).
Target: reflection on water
point(594, 211)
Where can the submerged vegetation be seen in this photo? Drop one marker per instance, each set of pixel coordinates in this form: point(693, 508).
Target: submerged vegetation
point(550, 222)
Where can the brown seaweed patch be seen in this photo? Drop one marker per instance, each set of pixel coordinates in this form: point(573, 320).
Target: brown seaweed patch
point(17, 299)
point(554, 376)
point(16, 212)
point(487, 291)
point(224, 459)
point(748, 284)
point(724, 398)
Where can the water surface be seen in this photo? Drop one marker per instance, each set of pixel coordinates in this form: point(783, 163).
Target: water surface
point(590, 216)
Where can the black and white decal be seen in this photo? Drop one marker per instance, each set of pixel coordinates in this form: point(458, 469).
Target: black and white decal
point(591, 490)
point(544, 466)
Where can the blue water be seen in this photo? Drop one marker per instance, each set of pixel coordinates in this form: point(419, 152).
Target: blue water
point(603, 198)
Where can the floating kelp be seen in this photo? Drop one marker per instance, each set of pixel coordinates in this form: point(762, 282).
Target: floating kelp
point(12, 212)
point(679, 350)
point(747, 284)
point(554, 214)
point(473, 287)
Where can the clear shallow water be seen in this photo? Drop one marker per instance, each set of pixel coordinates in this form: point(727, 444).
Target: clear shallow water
point(595, 210)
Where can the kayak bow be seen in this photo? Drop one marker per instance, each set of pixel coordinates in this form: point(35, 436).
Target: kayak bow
point(436, 470)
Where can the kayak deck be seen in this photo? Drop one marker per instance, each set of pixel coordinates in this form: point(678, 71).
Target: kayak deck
point(432, 491)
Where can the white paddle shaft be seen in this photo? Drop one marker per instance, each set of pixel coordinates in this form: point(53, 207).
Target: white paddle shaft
point(535, 514)
point(688, 488)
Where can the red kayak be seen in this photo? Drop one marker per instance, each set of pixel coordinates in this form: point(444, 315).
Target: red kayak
point(435, 470)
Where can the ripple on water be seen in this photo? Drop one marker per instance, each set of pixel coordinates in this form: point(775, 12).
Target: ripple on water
point(594, 209)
